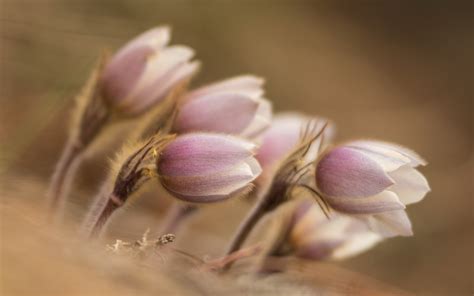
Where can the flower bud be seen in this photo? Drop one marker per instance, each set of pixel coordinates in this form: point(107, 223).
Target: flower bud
point(207, 167)
point(233, 106)
point(312, 235)
point(142, 72)
point(284, 134)
point(373, 178)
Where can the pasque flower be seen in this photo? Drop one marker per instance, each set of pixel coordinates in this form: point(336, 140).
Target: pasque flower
point(375, 179)
point(142, 72)
point(200, 167)
point(233, 106)
point(312, 235)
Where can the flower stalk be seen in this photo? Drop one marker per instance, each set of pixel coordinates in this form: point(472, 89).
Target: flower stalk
point(288, 174)
point(176, 216)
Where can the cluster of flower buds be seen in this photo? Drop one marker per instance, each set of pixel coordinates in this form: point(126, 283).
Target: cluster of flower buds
point(223, 137)
point(361, 189)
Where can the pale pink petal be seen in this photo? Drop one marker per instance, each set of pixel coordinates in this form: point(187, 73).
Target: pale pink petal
point(227, 113)
point(319, 250)
point(349, 172)
point(178, 74)
point(155, 39)
point(200, 154)
point(261, 120)
point(246, 85)
point(317, 237)
point(356, 243)
point(381, 202)
point(117, 83)
point(152, 80)
point(280, 138)
point(415, 158)
point(387, 158)
point(410, 185)
point(391, 224)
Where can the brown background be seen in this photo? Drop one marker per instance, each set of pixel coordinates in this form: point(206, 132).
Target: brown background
point(401, 72)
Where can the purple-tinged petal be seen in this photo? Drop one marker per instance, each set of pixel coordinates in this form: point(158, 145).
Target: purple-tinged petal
point(226, 113)
point(213, 187)
point(152, 81)
point(410, 185)
point(280, 138)
point(200, 154)
point(379, 203)
point(348, 172)
point(117, 83)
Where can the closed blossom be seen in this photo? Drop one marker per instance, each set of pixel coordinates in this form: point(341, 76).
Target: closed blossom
point(314, 236)
point(201, 167)
point(375, 179)
point(143, 71)
point(233, 106)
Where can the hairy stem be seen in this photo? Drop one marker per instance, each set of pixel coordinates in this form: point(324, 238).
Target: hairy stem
point(176, 216)
point(263, 206)
point(63, 175)
point(99, 214)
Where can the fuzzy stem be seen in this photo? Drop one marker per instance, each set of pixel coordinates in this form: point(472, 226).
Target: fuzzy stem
point(99, 214)
point(247, 225)
point(176, 216)
point(63, 175)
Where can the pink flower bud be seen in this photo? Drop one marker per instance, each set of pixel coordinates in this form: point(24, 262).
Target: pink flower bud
point(373, 178)
point(312, 235)
point(284, 134)
point(233, 106)
point(207, 167)
point(142, 72)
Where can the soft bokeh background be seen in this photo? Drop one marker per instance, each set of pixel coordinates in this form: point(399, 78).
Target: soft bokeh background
point(396, 71)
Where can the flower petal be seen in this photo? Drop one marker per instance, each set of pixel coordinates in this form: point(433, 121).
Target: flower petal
point(261, 120)
point(213, 187)
point(201, 154)
point(349, 172)
point(388, 158)
point(391, 224)
point(116, 83)
point(381, 202)
point(415, 158)
point(158, 66)
point(410, 185)
point(356, 244)
point(248, 85)
point(155, 38)
point(226, 113)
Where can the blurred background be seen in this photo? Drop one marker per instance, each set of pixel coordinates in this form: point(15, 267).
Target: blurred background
point(400, 71)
